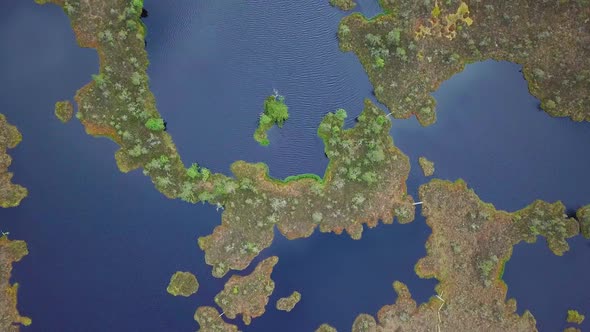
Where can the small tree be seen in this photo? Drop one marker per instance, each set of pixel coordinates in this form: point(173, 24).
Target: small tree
point(155, 124)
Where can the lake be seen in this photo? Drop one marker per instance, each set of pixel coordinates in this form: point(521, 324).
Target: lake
point(103, 244)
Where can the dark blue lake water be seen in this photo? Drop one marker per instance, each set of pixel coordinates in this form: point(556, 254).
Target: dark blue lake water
point(104, 244)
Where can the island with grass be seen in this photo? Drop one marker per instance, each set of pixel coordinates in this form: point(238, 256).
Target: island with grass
point(574, 317)
point(183, 284)
point(427, 166)
point(275, 112)
point(248, 295)
point(288, 303)
point(64, 110)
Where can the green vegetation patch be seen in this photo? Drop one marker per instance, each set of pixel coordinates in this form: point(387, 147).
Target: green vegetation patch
point(343, 4)
point(414, 46)
point(248, 295)
point(573, 316)
point(10, 194)
point(183, 284)
point(427, 166)
point(288, 303)
point(275, 112)
point(210, 320)
point(64, 110)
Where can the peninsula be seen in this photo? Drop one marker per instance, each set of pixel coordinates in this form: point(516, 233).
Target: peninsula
point(414, 46)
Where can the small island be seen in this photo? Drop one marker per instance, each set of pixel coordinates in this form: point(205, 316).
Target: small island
point(288, 303)
point(248, 295)
point(183, 284)
point(275, 112)
point(64, 110)
point(343, 4)
point(427, 166)
point(210, 320)
point(325, 328)
point(573, 316)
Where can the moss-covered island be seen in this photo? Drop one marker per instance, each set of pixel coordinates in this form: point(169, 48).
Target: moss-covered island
point(10, 194)
point(183, 284)
point(343, 4)
point(10, 252)
point(64, 110)
point(583, 216)
point(470, 243)
point(426, 165)
point(248, 295)
point(288, 303)
point(210, 320)
point(416, 45)
point(325, 328)
point(275, 112)
point(573, 316)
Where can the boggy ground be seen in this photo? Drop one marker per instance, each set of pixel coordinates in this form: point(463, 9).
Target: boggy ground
point(416, 45)
point(470, 243)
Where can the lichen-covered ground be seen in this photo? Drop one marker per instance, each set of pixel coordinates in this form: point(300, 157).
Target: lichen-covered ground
point(470, 243)
point(416, 45)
